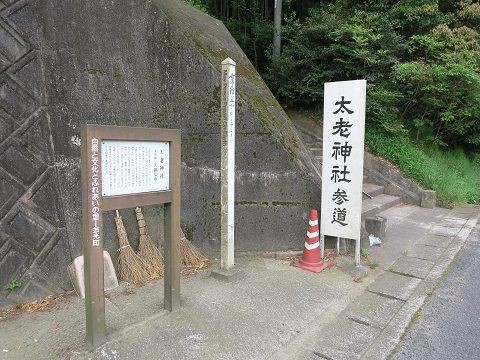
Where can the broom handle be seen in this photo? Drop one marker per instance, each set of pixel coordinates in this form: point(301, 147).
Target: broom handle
point(118, 215)
point(142, 226)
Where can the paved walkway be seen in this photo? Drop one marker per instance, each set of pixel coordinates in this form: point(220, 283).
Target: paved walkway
point(272, 311)
point(448, 327)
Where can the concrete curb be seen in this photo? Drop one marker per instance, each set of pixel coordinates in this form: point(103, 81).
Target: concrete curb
point(384, 346)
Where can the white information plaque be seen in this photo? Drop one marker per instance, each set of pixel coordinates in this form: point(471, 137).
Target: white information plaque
point(132, 167)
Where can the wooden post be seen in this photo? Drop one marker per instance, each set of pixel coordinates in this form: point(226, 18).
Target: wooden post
point(172, 236)
point(277, 30)
point(92, 237)
point(227, 164)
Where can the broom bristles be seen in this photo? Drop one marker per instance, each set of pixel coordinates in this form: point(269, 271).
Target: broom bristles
point(147, 249)
point(131, 267)
point(192, 258)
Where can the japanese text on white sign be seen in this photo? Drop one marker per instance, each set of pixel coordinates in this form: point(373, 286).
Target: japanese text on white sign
point(132, 167)
point(342, 172)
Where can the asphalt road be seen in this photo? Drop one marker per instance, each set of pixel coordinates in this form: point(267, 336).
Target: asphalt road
point(449, 324)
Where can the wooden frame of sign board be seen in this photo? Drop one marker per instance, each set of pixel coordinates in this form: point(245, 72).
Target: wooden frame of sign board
point(93, 138)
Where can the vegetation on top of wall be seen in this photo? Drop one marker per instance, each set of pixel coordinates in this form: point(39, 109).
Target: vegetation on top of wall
point(421, 59)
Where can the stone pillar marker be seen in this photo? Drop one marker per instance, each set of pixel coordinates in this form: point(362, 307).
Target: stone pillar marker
point(429, 199)
point(227, 124)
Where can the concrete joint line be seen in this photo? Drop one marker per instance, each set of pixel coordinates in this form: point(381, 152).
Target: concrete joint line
point(385, 295)
point(386, 342)
point(407, 275)
point(434, 246)
point(358, 321)
point(321, 356)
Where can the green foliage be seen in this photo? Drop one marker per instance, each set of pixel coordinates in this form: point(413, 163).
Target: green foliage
point(421, 61)
point(198, 4)
point(453, 174)
point(254, 37)
point(14, 284)
point(442, 86)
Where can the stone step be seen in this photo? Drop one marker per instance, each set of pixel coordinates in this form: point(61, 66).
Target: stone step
point(371, 207)
point(373, 189)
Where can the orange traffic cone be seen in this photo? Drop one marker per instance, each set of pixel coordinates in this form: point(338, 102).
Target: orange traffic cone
point(311, 258)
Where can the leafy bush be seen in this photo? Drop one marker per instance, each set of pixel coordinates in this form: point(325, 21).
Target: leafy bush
point(198, 4)
point(421, 59)
point(422, 65)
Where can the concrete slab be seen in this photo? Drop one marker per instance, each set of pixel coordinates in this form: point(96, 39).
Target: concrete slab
point(435, 240)
point(399, 212)
point(425, 252)
point(344, 339)
point(309, 355)
point(400, 235)
point(245, 319)
point(453, 221)
point(411, 266)
point(383, 347)
point(466, 210)
point(373, 309)
point(429, 216)
point(445, 230)
point(394, 285)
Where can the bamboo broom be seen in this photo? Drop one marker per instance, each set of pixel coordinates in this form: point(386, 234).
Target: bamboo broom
point(132, 268)
point(147, 249)
point(192, 258)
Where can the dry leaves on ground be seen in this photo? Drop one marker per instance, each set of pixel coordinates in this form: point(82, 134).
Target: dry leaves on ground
point(46, 303)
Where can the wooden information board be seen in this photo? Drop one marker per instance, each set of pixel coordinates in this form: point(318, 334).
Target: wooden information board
point(125, 167)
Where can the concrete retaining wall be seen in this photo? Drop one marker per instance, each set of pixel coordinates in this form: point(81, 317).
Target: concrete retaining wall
point(152, 63)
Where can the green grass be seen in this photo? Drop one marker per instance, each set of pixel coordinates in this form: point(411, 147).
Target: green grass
point(451, 173)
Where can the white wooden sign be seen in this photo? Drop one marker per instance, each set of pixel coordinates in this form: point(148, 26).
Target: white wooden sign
point(342, 170)
point(132, 167)
point(227, 125)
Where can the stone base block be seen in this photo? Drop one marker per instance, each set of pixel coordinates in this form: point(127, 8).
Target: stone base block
point(376, 225)
point(75, 270)
point(429, 199)
point(225, 275)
